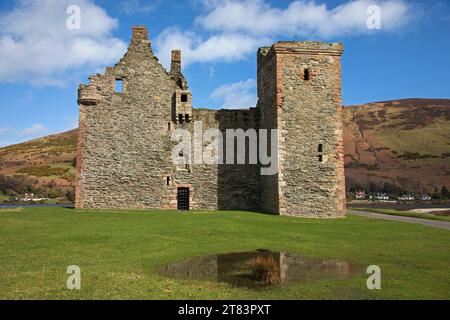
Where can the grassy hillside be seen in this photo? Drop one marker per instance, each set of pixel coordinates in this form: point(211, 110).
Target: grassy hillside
point(401, 144)
point(41, 166)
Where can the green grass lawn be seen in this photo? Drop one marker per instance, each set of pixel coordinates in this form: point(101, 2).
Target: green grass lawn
point(119, 253)
point(420, 215)
point(3, 198)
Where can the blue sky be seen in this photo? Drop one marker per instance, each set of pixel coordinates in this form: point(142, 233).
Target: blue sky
point(42, 61)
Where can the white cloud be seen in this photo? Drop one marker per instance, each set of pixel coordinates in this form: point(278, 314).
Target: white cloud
point(37, 47)
point(131, 7)
point(212, 71)
point(4, 131)
point(34, 130)
point(236, 28)
point(239, 95)
point(71, 122)
point(224, 47)
point(301, 18)
point(10, 136)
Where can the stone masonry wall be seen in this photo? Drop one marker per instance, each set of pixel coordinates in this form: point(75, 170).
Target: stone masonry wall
point(221, 187)
point(124, 140)
point(267, 107)
point(124, 145)
point(310, 122)
point(124, 148)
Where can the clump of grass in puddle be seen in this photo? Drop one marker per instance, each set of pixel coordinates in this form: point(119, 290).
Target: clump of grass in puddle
point(265, 269)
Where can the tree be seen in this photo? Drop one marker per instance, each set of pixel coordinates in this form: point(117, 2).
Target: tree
point(53, 194)
point(70, 194)
point(17, 184)
point(445, 193)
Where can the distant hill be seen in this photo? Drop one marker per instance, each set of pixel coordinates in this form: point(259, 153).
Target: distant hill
point(401, 144)
point(43, 166)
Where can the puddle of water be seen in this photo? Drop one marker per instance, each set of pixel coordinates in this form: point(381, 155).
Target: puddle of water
point(244, 269)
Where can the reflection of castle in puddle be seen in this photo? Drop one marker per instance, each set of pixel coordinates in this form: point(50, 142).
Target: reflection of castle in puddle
point(234, 268)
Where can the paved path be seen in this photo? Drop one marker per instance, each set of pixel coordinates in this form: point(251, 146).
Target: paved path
point(431, 223)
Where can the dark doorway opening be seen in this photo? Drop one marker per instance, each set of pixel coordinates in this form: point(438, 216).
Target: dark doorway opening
point(183, 199)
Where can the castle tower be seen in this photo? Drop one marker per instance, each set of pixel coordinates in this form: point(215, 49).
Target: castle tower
point(299, 88)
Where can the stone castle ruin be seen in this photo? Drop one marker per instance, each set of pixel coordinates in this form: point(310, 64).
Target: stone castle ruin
point(128, 115)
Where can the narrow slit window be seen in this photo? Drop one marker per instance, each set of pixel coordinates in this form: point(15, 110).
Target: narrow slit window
point(320, 153)
point(307, 74)
point(180, 118)
point(168, 181)
point(119, 86)
point(169, 126)
point(184, 98)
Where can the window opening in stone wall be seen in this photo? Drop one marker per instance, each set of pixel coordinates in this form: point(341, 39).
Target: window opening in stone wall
point(186, 116)
point(168, 181)
point(180, 118)
point(307, 74)
point(184, 98)
point(119, 86)
point(169, 126)
point(320, 151)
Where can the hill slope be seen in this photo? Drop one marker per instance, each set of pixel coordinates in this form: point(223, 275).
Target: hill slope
point(43, 166)
point(402, 144)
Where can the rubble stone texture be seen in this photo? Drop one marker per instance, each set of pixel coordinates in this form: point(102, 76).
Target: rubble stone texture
point(125, 146)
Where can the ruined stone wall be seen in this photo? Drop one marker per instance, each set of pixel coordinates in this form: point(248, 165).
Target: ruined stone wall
point(124, 145)
point(309, 110)
point(124, 142)
point(267, 108)
point(239, 185)
point(124, 151)
point(224, 187)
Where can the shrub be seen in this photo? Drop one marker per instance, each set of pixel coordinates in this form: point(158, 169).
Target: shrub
point(69, 177)
point(43, 171)
point(53, 194)
point(445, 193)
point(416, 156)
point(265, 269)
point(15, 185)
point(70, 195)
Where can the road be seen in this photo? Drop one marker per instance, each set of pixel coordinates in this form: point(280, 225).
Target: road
point(430, 223)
